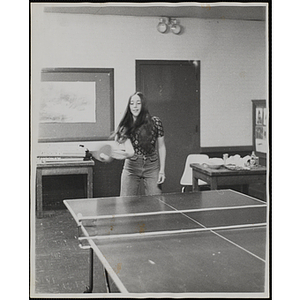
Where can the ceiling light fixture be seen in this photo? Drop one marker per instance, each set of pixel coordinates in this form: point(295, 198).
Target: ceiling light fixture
point(162, 26)
point(166, 23)
point(175, 27)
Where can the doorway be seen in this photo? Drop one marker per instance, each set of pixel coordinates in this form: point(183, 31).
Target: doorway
point(173, 92)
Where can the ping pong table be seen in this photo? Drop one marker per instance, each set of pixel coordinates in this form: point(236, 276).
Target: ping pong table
point(202, 242)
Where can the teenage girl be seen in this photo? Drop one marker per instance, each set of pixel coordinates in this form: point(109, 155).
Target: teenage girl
point(142, 145)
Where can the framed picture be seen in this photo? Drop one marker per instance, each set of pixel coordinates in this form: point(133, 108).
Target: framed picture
point(260, 121)
point(76, 104)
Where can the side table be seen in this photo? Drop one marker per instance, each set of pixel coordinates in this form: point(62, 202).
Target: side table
point(62, 167)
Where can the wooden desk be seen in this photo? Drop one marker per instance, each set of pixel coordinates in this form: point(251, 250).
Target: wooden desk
point(62, 168)
point(225, 177)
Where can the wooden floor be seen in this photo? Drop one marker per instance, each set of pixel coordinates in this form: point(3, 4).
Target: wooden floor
point(60, 265)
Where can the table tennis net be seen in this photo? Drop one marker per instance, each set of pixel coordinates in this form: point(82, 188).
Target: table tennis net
point(172, 222)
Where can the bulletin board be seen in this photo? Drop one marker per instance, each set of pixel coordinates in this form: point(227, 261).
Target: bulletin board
point(76, 104)
point(260, 126)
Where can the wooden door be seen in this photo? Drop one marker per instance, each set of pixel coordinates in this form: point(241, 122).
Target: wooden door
point(173, 92)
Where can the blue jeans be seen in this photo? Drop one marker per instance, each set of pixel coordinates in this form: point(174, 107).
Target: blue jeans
point(138, 168)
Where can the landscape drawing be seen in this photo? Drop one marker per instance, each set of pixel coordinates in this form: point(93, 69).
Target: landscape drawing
point(68, 102)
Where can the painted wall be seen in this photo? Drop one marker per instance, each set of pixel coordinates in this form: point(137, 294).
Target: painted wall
point(232, 54)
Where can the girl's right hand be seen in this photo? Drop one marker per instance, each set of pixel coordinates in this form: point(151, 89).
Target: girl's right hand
point(118, 154)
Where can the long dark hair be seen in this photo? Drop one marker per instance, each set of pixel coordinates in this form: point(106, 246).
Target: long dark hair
point(142, 126)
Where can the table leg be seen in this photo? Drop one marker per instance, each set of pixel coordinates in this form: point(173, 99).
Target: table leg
point(89, 288)
point(214, 184)
point(195, 183)
point(90, 183)
point(106, 278)
point(39, 194)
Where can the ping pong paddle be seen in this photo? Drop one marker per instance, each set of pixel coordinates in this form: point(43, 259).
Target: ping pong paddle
point(103, 154)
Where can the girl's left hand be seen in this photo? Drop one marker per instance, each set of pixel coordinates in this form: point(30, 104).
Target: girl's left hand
point(161, 178)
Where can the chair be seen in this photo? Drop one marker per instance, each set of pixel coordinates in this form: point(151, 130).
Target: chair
point(186, 179)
